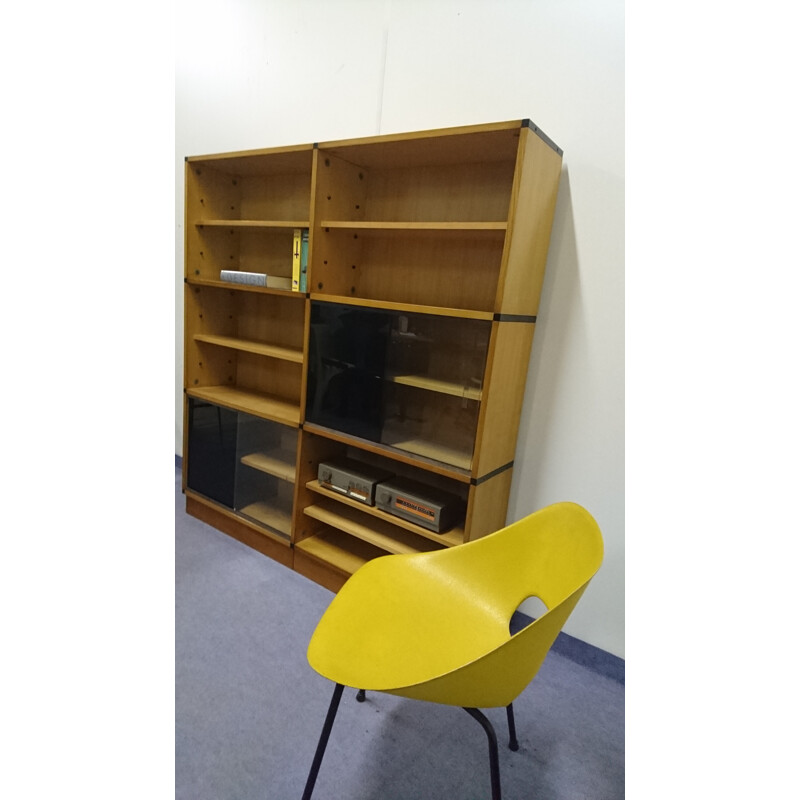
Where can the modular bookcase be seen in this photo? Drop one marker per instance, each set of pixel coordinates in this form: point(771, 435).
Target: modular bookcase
point(408, 350)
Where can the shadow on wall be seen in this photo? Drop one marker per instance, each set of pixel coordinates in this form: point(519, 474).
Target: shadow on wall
point(554, 321)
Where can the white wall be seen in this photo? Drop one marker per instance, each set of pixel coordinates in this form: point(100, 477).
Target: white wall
point(255, 73)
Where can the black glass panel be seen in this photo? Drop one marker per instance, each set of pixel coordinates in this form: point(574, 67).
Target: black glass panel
point(347, 360)
point(211, 459)
point(412, 381)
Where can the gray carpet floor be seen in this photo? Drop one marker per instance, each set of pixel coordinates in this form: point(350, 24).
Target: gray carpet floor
point(249, 709)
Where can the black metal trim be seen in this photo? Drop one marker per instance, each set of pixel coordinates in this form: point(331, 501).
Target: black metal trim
point(492, 474)
point(526, 123)
point(514, 317)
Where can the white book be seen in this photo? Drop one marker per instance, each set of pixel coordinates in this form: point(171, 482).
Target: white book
point(249, 278)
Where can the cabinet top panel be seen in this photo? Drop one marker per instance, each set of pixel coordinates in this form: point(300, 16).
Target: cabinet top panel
point(464, 144)
point(269, 161)
point(475, 143)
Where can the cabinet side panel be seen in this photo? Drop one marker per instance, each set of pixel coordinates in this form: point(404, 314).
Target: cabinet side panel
point(530, 221)
point(487, 505)
point(504, 388)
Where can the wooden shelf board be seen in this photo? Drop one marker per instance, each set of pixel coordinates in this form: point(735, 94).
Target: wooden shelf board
point(236, 518)
point(378, 226)
point(275, 518)
point(427, 449)
point(249, 346)
point(279, 463)
point(432, 384)
point(252, 223)
point(462, 475)
point(410, 308)
point(450, 538)
point(338, 550)
point(380, 535)
point(262, 161)
point(463, 144)
point(256, 403)
point(242, 287)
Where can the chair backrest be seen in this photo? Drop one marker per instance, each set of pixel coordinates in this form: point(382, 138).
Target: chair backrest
point(551, 554)
point(548, 554)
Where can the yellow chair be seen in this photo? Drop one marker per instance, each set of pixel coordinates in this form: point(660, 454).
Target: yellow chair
point(435, 626)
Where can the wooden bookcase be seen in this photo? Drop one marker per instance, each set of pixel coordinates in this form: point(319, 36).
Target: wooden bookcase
point(426, 258)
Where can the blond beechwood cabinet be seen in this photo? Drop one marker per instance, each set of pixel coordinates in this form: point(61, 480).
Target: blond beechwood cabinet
point(407, 351)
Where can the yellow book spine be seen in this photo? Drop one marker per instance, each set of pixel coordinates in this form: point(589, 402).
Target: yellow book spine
point(296, 250)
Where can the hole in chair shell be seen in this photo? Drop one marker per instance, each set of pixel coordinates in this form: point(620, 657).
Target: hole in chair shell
point(530, 609)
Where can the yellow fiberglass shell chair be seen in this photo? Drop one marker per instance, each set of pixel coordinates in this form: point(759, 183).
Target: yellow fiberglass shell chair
point(435, 626)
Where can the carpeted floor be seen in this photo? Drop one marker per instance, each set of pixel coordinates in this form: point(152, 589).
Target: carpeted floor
point(249, 709)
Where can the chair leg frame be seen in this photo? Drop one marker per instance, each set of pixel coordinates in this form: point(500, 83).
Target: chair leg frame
point(323, 741)
point(494, 761)
point(513, 744)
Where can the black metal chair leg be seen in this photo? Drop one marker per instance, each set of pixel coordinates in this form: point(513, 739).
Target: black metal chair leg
point(513, 744)
point(361, 696)
point(323, 741)
point(494, 762)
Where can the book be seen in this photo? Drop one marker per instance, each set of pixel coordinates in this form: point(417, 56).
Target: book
point(249, 278)
point(304, 261)
point(278, 282)
point(297, 245)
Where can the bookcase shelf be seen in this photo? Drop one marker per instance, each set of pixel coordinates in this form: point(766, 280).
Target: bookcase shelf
point(407, 350)
point(247, 346)
point(408, 308)
point(251, 223)
point(412, 227)
point(260, 405)
point(265, 514)
point(383, 535)
point(448, 538)
point(279, 463)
